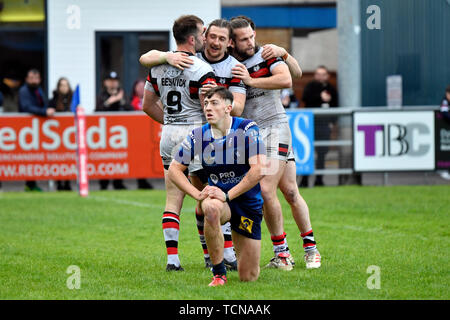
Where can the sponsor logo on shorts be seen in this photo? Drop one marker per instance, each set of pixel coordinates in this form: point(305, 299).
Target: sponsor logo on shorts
point(246, 224)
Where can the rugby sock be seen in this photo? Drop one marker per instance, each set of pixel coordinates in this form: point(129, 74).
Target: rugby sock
point(171, 231)
point(308, 241)
point(280, 244)
point(219, 269)
point(200, 225)
point(228, 249)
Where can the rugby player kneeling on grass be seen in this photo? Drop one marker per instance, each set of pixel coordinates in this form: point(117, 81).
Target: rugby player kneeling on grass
point(232, 154)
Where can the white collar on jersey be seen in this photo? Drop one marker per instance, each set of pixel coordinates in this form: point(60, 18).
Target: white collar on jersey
point(228, 130)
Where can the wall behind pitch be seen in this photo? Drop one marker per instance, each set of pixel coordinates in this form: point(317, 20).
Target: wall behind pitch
point(413, 41)
point(72, 25)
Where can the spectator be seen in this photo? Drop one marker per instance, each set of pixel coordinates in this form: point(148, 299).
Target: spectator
point(9, 88)
point(62, 97)
point(445, 104)
point(112, 98)
point(319, 93)
point(137, 95)
point(32, 100)
point(136, 102)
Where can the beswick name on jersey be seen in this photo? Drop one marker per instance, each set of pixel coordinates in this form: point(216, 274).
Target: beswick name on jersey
point(169, 82)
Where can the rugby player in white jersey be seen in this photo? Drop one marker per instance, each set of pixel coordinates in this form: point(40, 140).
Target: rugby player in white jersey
point(266, 73)
point(217, 40)
point(180, 94)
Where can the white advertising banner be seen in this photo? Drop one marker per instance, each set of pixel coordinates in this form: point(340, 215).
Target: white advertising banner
point(393, 141)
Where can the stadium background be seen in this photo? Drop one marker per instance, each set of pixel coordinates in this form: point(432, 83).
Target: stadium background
point(115, 236)
point(82, 41)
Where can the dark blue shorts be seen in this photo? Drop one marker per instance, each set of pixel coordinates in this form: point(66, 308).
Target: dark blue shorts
point(246, 220)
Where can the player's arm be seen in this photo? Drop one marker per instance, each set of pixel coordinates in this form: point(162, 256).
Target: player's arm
point(177, 176)
point(280, 78)
point(152, 106)
point(271, 51)
point(153, 58)
point(253, 176)
point(238, 104)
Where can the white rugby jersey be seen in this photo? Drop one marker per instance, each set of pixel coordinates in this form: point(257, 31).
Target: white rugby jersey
point(222, 70)
point(263, 105)
point(179, 90)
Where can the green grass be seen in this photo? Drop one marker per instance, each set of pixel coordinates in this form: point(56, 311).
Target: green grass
point(116, 240)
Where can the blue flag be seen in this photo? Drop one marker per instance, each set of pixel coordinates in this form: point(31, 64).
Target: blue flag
point(75, 99)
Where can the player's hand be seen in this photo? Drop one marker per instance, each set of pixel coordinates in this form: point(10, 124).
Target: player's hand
point(215, 193)
point(272, 51)
point(207, 86)
point(201, 195)
point(241, 72)
point(179, 60)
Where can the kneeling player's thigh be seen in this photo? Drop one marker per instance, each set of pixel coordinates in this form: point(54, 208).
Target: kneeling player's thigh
point(248, 253)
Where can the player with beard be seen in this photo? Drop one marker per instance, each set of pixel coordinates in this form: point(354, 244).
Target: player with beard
point(265, 72)
point(217, 39)
point(180, 94)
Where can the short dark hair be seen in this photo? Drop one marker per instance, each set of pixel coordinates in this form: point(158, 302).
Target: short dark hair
point(220, 23)
point(238, 24)
point(34, 71)
point(222, 92)
point(323, 67)
point(249, 20)
point(184, 27)
point(447, 89)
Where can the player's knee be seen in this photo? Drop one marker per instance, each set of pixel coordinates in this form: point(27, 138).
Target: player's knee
point(291, 195)
point(250, 274)
point(268, 192)
point(212, 209)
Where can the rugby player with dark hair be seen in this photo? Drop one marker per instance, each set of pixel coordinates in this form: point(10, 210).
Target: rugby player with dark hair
point(179, 92)
point(232, 156)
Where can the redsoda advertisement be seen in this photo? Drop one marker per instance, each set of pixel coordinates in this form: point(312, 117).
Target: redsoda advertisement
point(119, 145)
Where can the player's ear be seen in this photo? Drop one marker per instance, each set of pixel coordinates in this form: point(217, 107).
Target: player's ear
point(228, 108)
point(232, 43)
point(191, 40)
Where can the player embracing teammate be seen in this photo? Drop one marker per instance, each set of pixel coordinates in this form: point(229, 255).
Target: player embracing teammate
point(263, 77)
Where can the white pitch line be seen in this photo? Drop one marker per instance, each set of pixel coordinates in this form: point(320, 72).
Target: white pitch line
point(134, 203)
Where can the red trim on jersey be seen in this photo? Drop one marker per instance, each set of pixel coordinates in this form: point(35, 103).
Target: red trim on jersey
point(271, 61)
point(208, 80)
point(260, 73)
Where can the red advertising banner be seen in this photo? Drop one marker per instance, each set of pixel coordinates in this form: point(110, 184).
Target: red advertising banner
point(120, 145)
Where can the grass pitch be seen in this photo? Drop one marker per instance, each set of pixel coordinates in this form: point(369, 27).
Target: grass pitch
point(115, 239)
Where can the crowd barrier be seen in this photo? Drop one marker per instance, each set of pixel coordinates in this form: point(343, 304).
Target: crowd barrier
point(126, 145)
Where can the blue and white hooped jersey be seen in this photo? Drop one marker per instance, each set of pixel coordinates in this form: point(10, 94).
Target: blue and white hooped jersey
point(226, 159)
